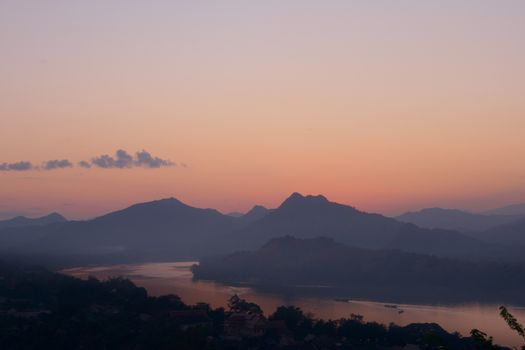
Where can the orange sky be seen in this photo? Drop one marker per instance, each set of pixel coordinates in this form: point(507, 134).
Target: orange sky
point(383, 105)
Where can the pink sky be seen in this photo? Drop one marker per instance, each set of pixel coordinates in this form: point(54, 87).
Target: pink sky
point(383, 105)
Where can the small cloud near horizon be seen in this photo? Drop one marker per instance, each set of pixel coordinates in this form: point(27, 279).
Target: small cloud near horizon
point(57, 164)
point(84, 164)
point(121, 160)
point(18, 166)
point(145, 159)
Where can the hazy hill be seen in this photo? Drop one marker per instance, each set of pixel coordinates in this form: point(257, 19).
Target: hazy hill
point(256, 213)
point(512, 234)
point(159, 229)
point(170, 229)
point(314, 216)
point(292, 264)
point(515, 209)
point(453, 219)
point(22, 221)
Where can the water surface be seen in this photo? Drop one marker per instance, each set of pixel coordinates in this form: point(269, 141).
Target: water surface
point(176, 278)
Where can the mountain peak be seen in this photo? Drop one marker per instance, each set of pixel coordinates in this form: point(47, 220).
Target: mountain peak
point(296, 195)
point(256, 213)
point(171, 201)
point(168, 200)
point(257, 209)
point(298, 199)
point(55, 216)
point(21, 221)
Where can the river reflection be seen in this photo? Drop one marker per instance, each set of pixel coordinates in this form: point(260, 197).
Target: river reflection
point(176, 278)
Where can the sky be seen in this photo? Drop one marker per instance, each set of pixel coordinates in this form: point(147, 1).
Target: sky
point(384, 105)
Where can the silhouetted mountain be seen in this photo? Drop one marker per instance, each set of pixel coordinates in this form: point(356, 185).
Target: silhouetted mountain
point(22, 221)
point(291, 263)
point(315, 216)
point(255, 214)
point(512, 234)
point(515, 209)
point(170, 229)
point(163, 228)
point(453, 219)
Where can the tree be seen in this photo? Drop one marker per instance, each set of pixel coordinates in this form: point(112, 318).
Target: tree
point(237, 304)
point(512, 322)
point(291, 315)
point(482, 341)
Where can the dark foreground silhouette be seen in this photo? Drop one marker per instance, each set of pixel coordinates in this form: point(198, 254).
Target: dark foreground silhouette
point(44, 310)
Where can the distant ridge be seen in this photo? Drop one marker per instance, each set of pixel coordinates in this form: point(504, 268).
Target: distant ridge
point(163, 227)
point(315, 216)
point(454, 219)
point(256, 213)
point(22, 221)
point(512, 234)
point(514, 209)
point(169, 229)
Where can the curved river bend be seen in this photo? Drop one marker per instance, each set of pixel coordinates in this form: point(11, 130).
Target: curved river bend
point(176, 278)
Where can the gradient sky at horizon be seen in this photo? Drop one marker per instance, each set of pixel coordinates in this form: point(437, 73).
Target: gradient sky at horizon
point(384, 105)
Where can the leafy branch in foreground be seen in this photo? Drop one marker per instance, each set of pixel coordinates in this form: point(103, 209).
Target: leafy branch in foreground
point(484, 342)
point(512, 322)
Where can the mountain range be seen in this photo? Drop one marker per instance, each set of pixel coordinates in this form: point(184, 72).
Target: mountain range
point(454, 219)
point(512, 234)
point(514, 209)
point(170, 229)
point(315, 216)
point(508, 230)
point(22, 221)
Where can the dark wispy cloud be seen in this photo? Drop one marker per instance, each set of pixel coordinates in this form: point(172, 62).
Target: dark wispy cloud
point(18, 166)
point(120, 160)
point(123, 159)
point(145, 159)
point(84, 164)
point(57, 164)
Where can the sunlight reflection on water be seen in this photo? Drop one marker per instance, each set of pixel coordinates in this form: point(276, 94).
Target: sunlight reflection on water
point(177, 278)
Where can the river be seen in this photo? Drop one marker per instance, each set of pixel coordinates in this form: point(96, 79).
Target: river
point(176, 278)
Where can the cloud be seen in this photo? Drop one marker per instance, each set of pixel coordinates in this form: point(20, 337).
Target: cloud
point(18, 166)
point(57, 164)
point(145, 159)
point(123, 159)
point(84, 164)
point(120, 160)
